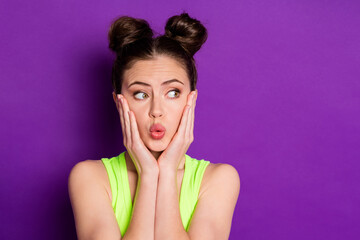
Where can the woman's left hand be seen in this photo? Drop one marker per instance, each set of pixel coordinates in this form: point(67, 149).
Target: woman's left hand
point(180, 143)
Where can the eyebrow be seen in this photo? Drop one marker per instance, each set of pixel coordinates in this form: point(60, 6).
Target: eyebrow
point(146, 84)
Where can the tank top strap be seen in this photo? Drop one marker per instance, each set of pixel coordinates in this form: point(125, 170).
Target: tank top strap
point(120, 190)
point(190, 187)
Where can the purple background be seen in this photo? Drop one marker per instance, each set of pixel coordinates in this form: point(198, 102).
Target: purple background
point(278, 99)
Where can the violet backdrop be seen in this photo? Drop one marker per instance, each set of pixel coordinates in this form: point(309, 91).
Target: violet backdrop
point(278, 99)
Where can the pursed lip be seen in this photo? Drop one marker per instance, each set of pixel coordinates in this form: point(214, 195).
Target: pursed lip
point(157, 127)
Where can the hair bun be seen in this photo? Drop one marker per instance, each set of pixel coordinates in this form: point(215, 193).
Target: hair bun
point(126, 30)
point(189, 32)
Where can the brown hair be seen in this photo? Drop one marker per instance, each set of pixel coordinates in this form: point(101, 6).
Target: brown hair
point(132, 39)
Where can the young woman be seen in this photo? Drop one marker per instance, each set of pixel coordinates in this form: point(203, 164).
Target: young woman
point(154, 190)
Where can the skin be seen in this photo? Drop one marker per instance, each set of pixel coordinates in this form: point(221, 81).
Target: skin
point(140, 106)
point(158, 164)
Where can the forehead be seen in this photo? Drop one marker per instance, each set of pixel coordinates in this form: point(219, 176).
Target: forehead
point(156, 71)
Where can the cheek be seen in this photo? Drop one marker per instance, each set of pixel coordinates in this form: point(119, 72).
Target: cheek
point(141, 121)
point(177, 114)
point(139, 116)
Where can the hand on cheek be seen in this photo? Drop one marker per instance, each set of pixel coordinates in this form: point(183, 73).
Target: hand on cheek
point(143, 160)
point(177, 148)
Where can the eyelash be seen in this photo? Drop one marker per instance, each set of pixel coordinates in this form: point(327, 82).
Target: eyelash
point(176, 90)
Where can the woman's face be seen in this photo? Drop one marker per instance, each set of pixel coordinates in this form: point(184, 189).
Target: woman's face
point(157, 92)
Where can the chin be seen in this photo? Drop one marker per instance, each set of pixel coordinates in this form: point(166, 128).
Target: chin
point(157, 145)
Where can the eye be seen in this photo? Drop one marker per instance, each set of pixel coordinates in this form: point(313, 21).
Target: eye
point(140, 95)
point(174, 93)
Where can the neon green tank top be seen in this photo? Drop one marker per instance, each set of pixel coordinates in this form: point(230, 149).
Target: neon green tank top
point(120, 189)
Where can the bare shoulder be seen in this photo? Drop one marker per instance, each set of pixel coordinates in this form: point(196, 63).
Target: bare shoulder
point(86, 165)
point(213, 215)
point(93, 169)
point(92, 209)
point(219, 175)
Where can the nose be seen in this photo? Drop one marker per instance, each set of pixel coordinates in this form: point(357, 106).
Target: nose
point(156, 110)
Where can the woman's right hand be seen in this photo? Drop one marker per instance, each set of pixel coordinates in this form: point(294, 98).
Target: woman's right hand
point(142, 158)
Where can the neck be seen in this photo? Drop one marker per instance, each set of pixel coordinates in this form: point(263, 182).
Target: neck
point(156, 154)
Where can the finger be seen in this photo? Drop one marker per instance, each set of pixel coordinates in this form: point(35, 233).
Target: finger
point(184, 131)
point(127, 120)
point(121, 112)
point(183, 122)
point(196, 97)
point(188, 123)
point(189, 118)
point(189, 99)
point(193, 119)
